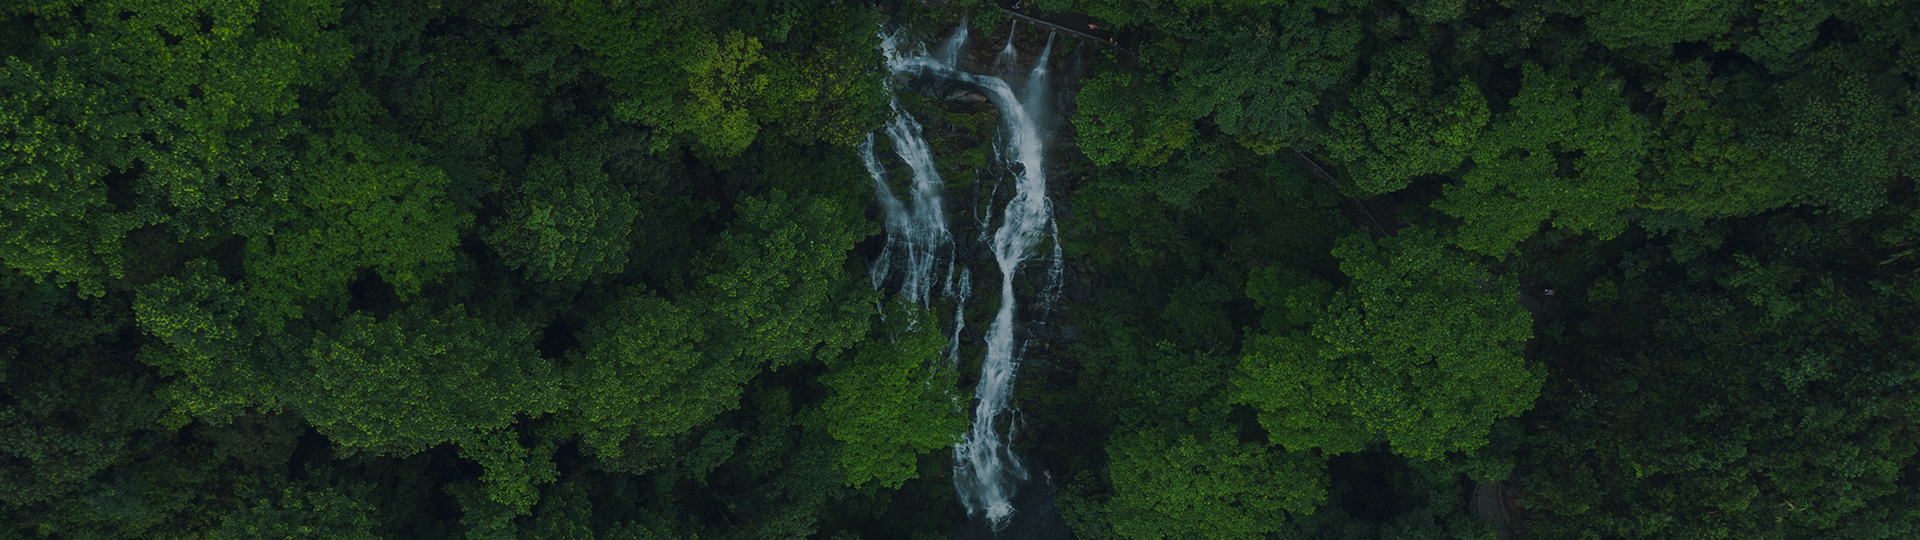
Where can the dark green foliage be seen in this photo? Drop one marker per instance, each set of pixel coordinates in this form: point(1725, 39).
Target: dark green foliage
point(717, 87)
point(1432, 342)
point(893, 400)
point(69, 420)
point(1772, 381)
point(1121, 121)
point(567, 220)
point(68, 413)
point(1845, 127)
point(302, 511)
point(1422, 353)
point(1645, 24)
point(565, 514)
point(644, 367)
point(775, 281)
point(1254, 84)
point(1700, 165)
point(420, 377)
point(368, 203)
point(1209, 486)
point(1403, 125)
point(184, 106)
point(579, 269)
point(205, 335)
point(1568, 151)
point(369, 258)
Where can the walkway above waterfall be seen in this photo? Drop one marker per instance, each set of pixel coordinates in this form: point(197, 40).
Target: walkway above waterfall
point(1077, 25)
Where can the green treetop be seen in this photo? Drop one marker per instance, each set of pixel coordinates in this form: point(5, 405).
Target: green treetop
point(1209, 485)
point(419, 378)
point(366, 202)
point(567, 221)
point(121, 115)
point(1569, 151)
point(893, 400)
point(1421, 351)
point(1402, 125)
point(775, 294)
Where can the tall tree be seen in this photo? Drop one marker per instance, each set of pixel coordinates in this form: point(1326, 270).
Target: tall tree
point(775, 293)
point(1403, 125)
point(1421, 352)
point(366, 203)
point(1569, 151)
point(121, 116)
point(421, 377)
point(1209, 485)
point(1764, 403)
point(302, 510)
point(567, 220)
point(893, 399)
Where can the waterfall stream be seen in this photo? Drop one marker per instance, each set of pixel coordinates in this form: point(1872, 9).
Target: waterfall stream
point(916, 232)
point(985, 469)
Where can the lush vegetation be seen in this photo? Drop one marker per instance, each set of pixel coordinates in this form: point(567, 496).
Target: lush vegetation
point(541, 269)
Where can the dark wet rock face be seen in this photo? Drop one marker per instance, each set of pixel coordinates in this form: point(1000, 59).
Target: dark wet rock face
point(967, 98)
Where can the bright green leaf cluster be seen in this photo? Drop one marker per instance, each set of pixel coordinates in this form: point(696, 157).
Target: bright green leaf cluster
point(893, 400)
point(1209, 486)
point(1401, 127)
point(1569, 151)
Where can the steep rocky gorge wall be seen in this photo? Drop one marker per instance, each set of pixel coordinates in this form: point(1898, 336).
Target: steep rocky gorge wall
point(962, 126)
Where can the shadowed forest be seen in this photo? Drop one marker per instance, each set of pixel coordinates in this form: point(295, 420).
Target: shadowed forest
point(599, 269)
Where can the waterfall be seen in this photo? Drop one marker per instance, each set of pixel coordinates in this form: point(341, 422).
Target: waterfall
point(958, 289)
point(914, 234)
point(949, 53)
point(1038, 96)
point(1035, 101)
point(985, 469)
point(1008, 54)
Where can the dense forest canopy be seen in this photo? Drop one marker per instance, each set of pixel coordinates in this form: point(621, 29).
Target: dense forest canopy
point(1338, 269)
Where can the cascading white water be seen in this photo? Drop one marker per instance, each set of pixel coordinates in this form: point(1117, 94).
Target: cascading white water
point(1008, 55)
point(914, 234)
point(947, 55)
point(1037, 97)
point(1037, 81)
point(985, 469)
point(958, 289)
